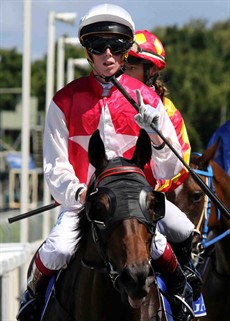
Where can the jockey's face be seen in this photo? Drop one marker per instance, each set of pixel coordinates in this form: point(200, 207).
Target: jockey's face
point(107, 52)
point(135, 70)
point(106, 64)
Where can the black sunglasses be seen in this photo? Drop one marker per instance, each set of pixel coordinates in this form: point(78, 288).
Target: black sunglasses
point(117, 46)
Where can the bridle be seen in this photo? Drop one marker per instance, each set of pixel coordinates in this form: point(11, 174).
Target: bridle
point(202, 226)
point(126, 187)
point(203, 231)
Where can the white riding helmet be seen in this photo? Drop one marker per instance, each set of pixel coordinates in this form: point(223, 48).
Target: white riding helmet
point(106, 18)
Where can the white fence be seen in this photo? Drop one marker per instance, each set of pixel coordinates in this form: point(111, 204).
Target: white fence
point(14, 261)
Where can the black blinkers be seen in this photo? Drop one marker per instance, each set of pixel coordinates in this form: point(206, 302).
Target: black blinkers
point(124, 196)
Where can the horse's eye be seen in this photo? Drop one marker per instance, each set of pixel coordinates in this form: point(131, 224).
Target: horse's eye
point(99, 208)
point(197, 196)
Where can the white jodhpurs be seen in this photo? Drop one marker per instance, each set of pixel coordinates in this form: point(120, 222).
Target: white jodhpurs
point(60, 245)
point(174, 227)
point(158, 246)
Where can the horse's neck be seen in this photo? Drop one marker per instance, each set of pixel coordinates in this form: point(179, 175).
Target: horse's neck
point(223, 256)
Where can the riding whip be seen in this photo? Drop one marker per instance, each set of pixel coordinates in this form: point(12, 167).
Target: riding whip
point(33, 212)
point(196, 177)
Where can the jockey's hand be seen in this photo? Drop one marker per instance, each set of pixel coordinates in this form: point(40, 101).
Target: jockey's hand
point(147, 115)
point(82, 195)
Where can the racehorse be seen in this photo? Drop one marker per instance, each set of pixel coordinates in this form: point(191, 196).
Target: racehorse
point(111, 277)
point(214, 263)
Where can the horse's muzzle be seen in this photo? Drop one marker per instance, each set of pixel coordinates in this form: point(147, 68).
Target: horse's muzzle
point(135, 281)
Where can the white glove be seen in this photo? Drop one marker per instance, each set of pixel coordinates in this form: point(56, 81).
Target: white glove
point(147, 115)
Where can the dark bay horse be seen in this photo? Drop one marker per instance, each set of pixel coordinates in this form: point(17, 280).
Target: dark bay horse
point(214, 263)
point(111, 277)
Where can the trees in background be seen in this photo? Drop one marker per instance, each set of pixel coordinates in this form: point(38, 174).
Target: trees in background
point(197, 75)
point(10, 78)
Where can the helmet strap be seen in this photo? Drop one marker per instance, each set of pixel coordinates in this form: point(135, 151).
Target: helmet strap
point(88, 56)
point(124, 57)
point(148, 79)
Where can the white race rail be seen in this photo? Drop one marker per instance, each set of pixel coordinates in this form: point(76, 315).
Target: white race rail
point(14, 261)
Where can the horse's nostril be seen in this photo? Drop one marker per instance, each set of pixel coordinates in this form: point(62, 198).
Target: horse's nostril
point(127, 278)
point(135, 276)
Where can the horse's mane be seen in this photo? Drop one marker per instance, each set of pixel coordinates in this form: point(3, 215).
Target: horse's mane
point(82, 230)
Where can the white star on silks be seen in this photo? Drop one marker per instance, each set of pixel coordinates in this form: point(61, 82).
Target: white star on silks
point(115, 144)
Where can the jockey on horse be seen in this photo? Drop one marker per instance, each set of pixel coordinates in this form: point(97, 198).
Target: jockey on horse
point(76, 111)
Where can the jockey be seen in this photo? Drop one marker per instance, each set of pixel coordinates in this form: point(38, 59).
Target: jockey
point(106, 32)
point(146, 58)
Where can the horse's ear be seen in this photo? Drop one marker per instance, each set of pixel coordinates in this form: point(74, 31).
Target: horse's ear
point(96, 151)
point(143, 151)
point(208, 155)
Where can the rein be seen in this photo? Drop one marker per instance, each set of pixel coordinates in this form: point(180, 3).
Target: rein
point(207, 205)
point(106, 267)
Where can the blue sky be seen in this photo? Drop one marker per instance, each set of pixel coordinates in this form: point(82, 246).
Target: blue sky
point(146, 14)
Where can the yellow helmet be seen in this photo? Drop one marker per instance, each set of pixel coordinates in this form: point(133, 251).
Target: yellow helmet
point(148, 47)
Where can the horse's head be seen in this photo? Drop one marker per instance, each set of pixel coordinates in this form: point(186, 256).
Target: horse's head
point(190, 197)
point(123, 210)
